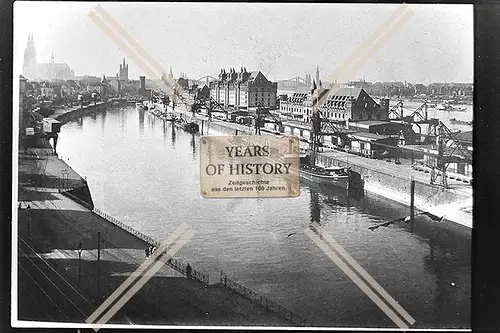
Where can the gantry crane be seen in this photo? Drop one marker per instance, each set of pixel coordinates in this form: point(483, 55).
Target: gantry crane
point(438, 133)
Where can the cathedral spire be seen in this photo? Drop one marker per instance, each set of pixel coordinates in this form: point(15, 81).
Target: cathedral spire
point(52, 57)
point(317, 74)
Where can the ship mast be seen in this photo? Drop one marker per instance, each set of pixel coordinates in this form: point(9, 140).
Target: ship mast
point(315, 133)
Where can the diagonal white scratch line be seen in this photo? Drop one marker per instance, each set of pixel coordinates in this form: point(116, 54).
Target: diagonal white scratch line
point(138, 272)
point(373, 36)
point(376, 40)
point(165, 82)
point(128, 51)
point(361, 271)
point(376, 46)
point(335, 258)
point(129, 39)
point(347, 69)
point(338, 256)
point(143, 280)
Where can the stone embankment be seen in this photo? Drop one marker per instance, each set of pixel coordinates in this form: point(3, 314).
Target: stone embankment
point(56, 213)
point(379, 177)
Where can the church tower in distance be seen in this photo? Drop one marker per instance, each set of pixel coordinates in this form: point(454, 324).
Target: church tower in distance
point(123, 71)
point(29, 65)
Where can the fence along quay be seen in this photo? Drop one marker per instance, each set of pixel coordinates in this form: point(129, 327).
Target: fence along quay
point(265, 302)
point(196, 275)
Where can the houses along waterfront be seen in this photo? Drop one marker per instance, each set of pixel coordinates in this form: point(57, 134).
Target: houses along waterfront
point(125, 172)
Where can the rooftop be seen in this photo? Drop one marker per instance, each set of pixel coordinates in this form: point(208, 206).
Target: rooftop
point(344, 92)
point(369, 123)
point(371, 136)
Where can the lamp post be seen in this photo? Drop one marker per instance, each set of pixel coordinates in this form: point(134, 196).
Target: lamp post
point(80, 249)
point(98, 262)
point(29, 220)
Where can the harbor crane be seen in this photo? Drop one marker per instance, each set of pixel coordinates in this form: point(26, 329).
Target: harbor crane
point(264, 116)
point(210, 104)
point(449, 148)
point(322, 126)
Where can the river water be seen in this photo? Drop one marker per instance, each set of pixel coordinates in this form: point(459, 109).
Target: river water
point(145, 172)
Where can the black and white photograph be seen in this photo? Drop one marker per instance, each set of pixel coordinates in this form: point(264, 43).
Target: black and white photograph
point(242, 165)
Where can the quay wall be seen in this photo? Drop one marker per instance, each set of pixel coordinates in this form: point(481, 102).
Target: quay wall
point(237, 129)
point(71, 114)
point(81, 195)
point(392, 186)
point(376, 181)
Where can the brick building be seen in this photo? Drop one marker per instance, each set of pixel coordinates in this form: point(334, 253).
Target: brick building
point(342, 104)
point(244, 90)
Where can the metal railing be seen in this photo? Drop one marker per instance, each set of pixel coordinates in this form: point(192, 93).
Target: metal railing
point(64, 187)
point(173, 263)
point(265, 302)
point(75, 198)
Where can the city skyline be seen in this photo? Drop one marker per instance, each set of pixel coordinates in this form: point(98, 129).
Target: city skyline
point(208, 37)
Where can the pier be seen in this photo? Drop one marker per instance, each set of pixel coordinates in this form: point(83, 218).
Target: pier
point(379, 177)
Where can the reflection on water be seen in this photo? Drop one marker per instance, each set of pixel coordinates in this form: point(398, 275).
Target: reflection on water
point(173, 135)
point(193, 145)
point(148, 177)
point(141, 121)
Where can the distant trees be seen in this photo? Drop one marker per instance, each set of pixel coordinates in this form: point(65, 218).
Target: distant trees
point(409, 90)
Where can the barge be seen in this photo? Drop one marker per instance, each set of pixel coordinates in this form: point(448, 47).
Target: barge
point(334, 175)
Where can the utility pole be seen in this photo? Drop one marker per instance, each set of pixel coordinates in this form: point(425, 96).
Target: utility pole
point(210, 109)
point(258, 121)
point(412, 203)
point(98, 261)
point(80, 249)
point(28, 215)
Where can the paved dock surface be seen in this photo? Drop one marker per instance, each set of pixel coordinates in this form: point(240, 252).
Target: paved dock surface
point(403, 170)
point(49, 285)
point(459, 212)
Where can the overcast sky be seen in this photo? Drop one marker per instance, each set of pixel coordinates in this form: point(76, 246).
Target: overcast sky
point(281, 40)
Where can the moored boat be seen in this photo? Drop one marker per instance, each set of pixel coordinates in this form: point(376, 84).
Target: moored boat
point(448, 107)
point(191, 127)
point(334, 175)
point(460, 122)
point(169, 116)
point(140, 106)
